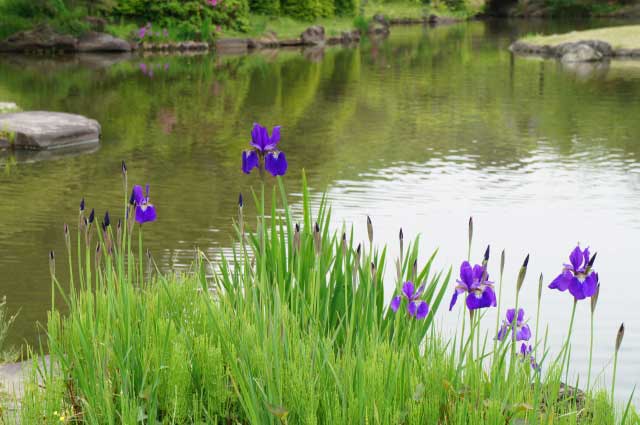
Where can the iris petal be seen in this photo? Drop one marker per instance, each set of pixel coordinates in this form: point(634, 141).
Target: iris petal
point(454, 298)
point(395, 303)
point(423, 310)
point(576, 258)
point(249, 161)
point(408, 290)
point(575, 287)
point(466, 274)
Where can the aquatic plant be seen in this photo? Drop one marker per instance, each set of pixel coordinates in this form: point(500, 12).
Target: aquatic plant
point(292, 327)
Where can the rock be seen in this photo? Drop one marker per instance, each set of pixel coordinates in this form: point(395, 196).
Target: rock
point(47, 130)
point(232, 45)
point(8, 107)
point(41, 37)
point(101, 42)
point(291, 42)
point(267, 40)
point(378, 28)
point(581, 53)
point(96, 23)
point(600, 46)
point(313, 36)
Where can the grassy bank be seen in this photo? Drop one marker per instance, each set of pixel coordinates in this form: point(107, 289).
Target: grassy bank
point(293, 328)
point(286, 27)
point(624, 37)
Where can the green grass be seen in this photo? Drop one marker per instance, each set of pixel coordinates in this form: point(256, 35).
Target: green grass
point(623, 37)
point(293, 328)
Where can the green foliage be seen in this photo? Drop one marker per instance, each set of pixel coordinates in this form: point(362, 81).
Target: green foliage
point(347, 7)
point(307, 10)
point(186, 15)
point(265, 7)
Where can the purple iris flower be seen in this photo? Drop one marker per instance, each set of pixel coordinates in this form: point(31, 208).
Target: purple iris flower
point(145, 211)
point(474, 282)
point(264, 152)
point(577, 276)
point(527, 351)
point(142, 32)
point(523, 332)
point(415, 308)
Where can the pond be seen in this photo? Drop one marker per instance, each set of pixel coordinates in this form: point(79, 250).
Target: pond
point(421, 130)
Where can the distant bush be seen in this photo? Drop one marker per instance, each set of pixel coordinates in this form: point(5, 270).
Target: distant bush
point(346, 7)
point(187, 15)
point(265, 7)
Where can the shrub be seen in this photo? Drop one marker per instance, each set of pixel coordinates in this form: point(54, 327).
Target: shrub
point(187, 15)
point(265, 7)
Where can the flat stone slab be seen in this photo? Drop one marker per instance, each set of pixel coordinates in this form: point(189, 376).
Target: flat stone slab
point(47, 130)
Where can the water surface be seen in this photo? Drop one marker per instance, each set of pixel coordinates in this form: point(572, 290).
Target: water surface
point(421, 130)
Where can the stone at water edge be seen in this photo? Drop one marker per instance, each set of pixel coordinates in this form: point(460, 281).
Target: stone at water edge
point(101, 42)
point(581, 53)
point(47, 130)
point(313, 36)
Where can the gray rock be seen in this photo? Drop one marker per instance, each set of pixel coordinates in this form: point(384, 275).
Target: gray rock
point(47, 130)
point(232, 45)
point(101, 42)
point(313, 36)
point(41, 37)
point(581, 53)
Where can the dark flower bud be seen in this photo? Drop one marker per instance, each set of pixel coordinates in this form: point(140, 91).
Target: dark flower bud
point(66, 230)
point(502, 260)
point(240, 201)
point(487, 252)
point(619, 337)
point(540, 287)
point(124, 168)
point(106, 222)
point(92, 216)
point(344, 245)
point(370, 229)
point(82, 205)
point(401, 235)
point(296, 238)
point(594, 298)
point(470, 231)
point(358, 254)
point(592, 260)
point(522, 273)
point(414, 272)
point(52, 263)
point(316, 238)
point(373, 272)
point(98, 255)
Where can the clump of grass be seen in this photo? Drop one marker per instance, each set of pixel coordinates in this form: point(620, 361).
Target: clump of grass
point(293, 328)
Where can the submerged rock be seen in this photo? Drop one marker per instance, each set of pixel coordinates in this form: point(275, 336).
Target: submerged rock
point(581, 53)
point(8, 107)
point(101, 42)
point(47, 130)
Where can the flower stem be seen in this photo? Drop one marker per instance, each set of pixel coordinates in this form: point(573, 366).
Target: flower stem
point(590, 354)
point(565, 348)
point(613, 379)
